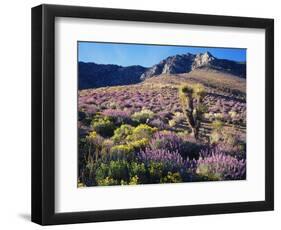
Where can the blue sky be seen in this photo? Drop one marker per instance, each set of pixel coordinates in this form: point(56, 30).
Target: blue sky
point(146, 55)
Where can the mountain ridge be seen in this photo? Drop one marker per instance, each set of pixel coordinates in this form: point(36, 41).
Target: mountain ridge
point(98, 75)
point(93, 75)
point(185, 63)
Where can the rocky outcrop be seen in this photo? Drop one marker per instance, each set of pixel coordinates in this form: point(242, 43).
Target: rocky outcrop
point(188, 62)
point(171, 65)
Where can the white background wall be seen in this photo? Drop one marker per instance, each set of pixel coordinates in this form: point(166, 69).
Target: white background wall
point(15, 114)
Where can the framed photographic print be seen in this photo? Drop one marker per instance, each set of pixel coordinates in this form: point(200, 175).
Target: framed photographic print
point(142, 114)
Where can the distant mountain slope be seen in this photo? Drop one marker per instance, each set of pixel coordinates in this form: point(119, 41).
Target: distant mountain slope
point(212, 79)
point(187, 62)
point(92, 75)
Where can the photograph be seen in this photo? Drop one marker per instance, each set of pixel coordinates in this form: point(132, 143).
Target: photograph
point(148, 113)
point(155, 114)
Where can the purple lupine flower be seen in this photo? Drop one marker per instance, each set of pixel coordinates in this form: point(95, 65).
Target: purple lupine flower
point(116, 113)
point(162, 156)
point(118, 116)
point(166, 140)
point(224, 167)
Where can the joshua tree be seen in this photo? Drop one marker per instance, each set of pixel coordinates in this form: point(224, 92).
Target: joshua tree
point(191, 98)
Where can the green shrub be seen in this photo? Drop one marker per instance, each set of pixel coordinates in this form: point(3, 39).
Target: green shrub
point(138, 170)
point(143, 116)
point(103, 126)
point(155, 170)
point(118, 170)
point(121, 133)
point(106, 147)
point(101, 172)
point(134, 180)
point(139, 144)
point(112, 172)
point(226, 135)
point(93, 143)
point(217, 124)
point(215, 136)
point(122, 152)
point(94, 138)
point(206, 173)
point(232, 114)
point(218, 116)
point(171, 178)
point(230, 138)
point(140, 132)
point(172, 123)
point(107, 181)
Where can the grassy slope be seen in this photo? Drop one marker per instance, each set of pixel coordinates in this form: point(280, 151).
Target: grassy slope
point(209, 78)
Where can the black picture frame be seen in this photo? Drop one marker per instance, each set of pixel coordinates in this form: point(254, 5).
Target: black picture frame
point(43, 114)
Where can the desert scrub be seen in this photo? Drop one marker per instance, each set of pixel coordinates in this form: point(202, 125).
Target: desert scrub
point(232, 143)
point(171, 178)
point(143, 116)
point(94, 144)
point(122, 152)
point(134, 180)
point(139, 144)
point(166, 140)
point(127, 151)
point(175, 142)
point(218, 116)
point(106, 147)
point(103, 126)
point(158, 123)
point(215, 136)
point(139, 170)
point(232, 114)
point(140, 132)
point(121, 133)
point(216, 165)
point(217, 124)
point(119, 170)
point(94, 138)
point(117, 116)
point(172, 123)
point(178, 118)
point(112, 173)
point(170, 160)
point(226, 135)
point(88, 172)
point(155, 171)
point(106, 181)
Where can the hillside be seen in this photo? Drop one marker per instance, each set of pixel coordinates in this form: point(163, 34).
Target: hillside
point(212, 79)
point(92, 75)
point(182, 121)
point(225, 94)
